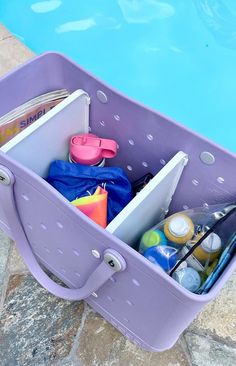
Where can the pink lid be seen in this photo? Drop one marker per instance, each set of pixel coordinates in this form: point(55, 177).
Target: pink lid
point(88, 149)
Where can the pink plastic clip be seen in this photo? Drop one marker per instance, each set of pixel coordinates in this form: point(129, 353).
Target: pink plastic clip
point(89, 149)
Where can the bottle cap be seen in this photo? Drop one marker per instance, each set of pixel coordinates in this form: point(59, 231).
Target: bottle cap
point(179, 226)
point(152, 238)
point(212, 243)
point(162, 255)
point(88, 149)
point(189, 278)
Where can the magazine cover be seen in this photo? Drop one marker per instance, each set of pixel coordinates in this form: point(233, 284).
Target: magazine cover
point(23, 116)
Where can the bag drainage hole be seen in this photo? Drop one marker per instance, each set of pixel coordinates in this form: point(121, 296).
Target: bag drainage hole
point(135, 282)
point(59, 224)
point(117, 117)
point(195, 182)
point(150, 137)
point(220, 180)
point(129, 303)
point(76, 253)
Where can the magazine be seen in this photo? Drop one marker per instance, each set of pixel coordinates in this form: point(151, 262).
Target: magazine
point(23, 116)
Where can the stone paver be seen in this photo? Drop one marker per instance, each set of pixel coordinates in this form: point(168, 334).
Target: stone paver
point(16, 263)
point(4, 33)
point(4, 250)
point(35, 326)
point(100, 344)
point(12, 53)
point(219, 317)
point(207, 352)
point(64, 362)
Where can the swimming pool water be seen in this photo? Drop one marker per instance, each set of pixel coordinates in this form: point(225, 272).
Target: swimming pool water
point(177, 56)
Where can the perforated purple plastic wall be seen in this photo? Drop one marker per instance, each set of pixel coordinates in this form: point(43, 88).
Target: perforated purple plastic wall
point(143, 302)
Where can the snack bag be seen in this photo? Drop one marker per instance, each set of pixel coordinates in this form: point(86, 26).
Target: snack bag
point(188, 244)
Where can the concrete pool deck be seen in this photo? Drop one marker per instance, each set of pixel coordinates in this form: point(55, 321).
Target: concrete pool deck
point(38, 329)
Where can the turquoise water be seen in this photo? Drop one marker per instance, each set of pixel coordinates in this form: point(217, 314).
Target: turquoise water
point(177, 56)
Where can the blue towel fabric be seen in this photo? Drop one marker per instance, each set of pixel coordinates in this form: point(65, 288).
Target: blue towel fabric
point(76, 180)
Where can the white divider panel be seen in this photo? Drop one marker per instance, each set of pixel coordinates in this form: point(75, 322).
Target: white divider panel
point(151, 204)
point(48, 138)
